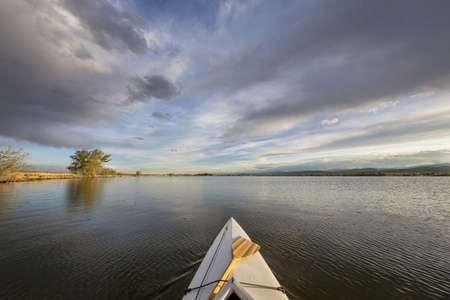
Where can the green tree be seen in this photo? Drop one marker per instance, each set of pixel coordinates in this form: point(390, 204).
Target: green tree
point(88, 163)
point(138, 173)
point(11, 162)
point(107, 171)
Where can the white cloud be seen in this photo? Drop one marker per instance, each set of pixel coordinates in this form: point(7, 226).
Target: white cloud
point(330, 122)
point(382, 106)
point(426, 93)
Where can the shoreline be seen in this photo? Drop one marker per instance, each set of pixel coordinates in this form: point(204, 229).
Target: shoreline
point(25, 176)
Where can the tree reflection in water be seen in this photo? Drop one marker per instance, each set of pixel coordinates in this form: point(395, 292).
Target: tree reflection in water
point(84, 194)
point(8, 196)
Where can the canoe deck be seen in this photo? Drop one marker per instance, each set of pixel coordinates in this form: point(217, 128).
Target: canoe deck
point(251, 277)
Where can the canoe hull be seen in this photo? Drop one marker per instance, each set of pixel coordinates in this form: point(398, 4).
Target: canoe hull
point(248, 274)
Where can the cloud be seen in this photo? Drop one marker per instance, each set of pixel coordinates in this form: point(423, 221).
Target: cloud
point(82, 53)
point(329, 122)
point(57, 86)
point(330, 59)
point(148, 87)
point(380, 159)
point(86, 74)
point(161, 115)
point(111, 27)
point(174, 52)
point(426, 127)
point(231, 9)
point(427, 93)
point(382, 106)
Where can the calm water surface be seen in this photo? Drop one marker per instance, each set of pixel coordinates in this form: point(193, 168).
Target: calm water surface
point(144, 238)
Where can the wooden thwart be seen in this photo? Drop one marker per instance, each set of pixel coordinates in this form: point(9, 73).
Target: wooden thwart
point(241, 248)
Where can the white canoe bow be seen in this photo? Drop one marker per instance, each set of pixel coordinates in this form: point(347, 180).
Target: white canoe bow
point(250, 277)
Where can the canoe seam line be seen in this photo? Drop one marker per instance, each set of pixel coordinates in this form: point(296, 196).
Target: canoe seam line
point(188, 290)
point(279, 288)
point(212, 260)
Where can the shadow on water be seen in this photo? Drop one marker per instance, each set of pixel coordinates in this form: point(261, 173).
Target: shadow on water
point(84, 195)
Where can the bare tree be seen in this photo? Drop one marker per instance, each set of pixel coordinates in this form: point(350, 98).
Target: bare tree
point(12, 161)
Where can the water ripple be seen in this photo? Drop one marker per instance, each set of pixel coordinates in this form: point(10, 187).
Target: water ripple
point(144, 238)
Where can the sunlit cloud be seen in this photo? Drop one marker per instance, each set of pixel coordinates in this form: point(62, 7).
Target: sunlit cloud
point(382, 106)
point(426, 93)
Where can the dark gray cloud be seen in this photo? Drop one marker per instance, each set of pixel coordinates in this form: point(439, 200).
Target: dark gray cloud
point(332, 56)
point(82, 53)
point(44, 97)
point(52, 117)
point(143, 89)
point(161, 115)
point(111, 27)
point(53, 90)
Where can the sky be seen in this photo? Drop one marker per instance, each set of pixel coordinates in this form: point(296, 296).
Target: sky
point(226, 86)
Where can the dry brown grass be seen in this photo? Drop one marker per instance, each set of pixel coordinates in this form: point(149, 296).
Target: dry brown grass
point(39, 175)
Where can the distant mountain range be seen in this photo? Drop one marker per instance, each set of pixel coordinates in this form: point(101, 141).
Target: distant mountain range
point(441, 169)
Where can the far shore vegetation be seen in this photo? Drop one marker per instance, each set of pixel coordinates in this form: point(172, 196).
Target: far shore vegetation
point(91, 164)
point(27, 175)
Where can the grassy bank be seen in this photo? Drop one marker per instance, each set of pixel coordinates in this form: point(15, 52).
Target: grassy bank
point(21, 176)
point(38, 175)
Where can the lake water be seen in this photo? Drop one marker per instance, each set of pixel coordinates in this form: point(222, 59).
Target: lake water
point(144, 238)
